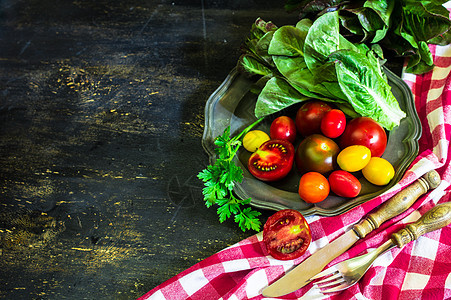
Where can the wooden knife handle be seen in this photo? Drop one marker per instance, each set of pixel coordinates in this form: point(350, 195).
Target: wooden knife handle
point(436, 218)
point(399, 203)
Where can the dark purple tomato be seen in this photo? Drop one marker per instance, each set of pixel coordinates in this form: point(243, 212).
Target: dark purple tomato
point(283, 128)
point(366, 132)
point(272, 161)
point(344, 184)
point(317, 153)
point(309, 116)
point(333, 123)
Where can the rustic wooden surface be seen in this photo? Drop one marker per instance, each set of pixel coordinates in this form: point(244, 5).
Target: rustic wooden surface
point(101, 120)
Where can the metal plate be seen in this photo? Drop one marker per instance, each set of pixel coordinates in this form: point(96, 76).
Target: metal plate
point(232, 104)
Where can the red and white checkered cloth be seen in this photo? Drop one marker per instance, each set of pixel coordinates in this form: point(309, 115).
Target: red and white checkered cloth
point(420, 270)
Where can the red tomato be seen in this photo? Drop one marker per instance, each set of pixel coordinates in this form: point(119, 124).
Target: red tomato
point(366, 132)
point(283, 128)
point(272, 161)
point(317, 153)
point(344, 184)
point(313, 187)
point(333, 123)
point(309, 115)
point(286, 234)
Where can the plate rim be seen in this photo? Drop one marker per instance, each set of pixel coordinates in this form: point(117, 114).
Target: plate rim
point(410, 141)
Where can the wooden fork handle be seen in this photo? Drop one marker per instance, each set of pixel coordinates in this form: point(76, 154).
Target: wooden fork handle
point(437, 217)
point(398, 204)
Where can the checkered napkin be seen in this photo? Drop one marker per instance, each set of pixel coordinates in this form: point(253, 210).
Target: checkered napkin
point(420, 270)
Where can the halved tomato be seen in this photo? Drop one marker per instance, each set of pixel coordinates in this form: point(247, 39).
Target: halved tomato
point(286, 234)
point(272, 161)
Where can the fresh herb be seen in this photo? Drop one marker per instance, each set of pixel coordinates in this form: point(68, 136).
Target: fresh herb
point(220, 178)
point(313, 60)
point(406, 27)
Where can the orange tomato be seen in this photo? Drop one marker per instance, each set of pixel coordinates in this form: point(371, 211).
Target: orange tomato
point(313, 187)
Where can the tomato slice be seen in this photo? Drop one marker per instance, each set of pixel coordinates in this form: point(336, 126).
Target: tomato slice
point(286, 234)
point(272, 161)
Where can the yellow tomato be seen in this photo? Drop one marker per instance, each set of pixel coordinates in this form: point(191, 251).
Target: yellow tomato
point(354, 158)
point(253, 139)
point(378, 171)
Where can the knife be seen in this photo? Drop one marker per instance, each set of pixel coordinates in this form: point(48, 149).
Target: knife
point(301, 274)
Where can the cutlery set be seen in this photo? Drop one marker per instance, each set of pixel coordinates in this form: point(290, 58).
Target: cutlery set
point(346, 273)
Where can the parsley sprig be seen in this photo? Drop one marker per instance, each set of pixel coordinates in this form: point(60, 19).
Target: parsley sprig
point(220, 178)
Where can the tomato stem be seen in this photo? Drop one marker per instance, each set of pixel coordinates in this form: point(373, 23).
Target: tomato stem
point(235, 143)
point(247, 129)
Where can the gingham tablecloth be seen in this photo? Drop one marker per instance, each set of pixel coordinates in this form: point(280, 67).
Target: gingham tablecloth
point(420, 270)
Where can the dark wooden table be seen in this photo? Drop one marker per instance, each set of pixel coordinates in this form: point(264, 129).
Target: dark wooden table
point(101, 122)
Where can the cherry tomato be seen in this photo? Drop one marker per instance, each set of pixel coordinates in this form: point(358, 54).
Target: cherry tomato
point(272, 161)
point(317, 153)
point(286, 234)
point(313, 187)
point(309, 116)
point(354, 158)
point(254, 139)
point(378, 171)
point(366, 132)
point(333, 123)
point(283, 128)
point(344, 184)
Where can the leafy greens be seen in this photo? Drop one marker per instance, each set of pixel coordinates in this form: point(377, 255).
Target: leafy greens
point(313, 60)
point(220, 178)
point(403, 26)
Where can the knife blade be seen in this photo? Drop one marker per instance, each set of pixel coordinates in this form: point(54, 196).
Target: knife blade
point(300, 275)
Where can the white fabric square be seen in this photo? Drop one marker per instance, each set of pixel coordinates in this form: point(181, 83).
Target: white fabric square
point(259, 236)
point(426, 247)
point(435, 117)
point(384, 260)
point(361, 297)
point(415, 281)
point(379, 278)
point(235, 265)
point(414, 216)
point(255, 283)
point(319, 243)
point(287, 264)
point(448, 282)
point(193, 282)
point(158, 295)
point(441, 149)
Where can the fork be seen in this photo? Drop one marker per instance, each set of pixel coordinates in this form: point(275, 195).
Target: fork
point(347, 273)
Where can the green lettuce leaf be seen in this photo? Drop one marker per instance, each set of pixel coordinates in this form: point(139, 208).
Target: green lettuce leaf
point(367, 90)
point(322, 39)
point(277, 95)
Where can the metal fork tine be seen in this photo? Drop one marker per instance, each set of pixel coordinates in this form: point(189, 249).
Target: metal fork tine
point(337, 275)
point(331, 270)
point(336, 288)
point(333, 283)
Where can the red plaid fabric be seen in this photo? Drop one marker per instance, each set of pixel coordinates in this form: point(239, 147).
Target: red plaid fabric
point(420, 270)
